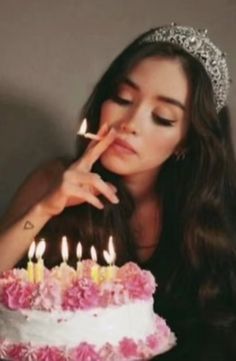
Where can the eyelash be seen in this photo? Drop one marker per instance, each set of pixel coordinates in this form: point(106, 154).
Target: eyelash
point(120, 100)
point(157, 119)
point(163, 121)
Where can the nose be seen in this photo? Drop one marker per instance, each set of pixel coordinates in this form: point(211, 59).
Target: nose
point(130, 122)
point(126, 126)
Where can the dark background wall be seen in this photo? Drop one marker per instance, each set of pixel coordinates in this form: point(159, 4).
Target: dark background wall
point(53, 51)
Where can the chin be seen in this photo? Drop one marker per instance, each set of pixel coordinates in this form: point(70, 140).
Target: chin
point(114, 166)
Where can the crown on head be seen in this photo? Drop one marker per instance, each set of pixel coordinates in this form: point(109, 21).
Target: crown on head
point(201, 47)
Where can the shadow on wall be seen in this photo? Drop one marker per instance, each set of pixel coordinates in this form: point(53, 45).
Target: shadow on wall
point(29, 136)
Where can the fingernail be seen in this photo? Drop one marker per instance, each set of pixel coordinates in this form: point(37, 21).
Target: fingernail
point(112, 131)
point(101, 206)
point(115, 200)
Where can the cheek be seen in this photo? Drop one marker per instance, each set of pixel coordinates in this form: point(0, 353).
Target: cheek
point(103, 114)
point(165, 142)
point(108, 111)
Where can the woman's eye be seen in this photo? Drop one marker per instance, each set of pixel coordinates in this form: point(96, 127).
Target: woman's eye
point(123, 101)
point(163, 121)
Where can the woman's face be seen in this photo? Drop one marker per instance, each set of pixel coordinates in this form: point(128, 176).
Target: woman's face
point(150, 113)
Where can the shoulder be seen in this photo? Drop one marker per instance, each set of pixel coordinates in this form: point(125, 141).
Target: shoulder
point(34, 187)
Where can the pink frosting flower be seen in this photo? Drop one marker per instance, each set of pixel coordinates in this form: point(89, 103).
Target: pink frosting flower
point(141, 285)
point(8, 275)
point(83, 294)
point(85, 352)
point(87, 265)
point(17, 352)
point(109, 353)
point(153, 342)
point(4, 348)
point(30, 354)
point(128, 347)
point(64, 274)
point(127, 270)
point(20, 273)
point(49, 295)
point(144, 351)
point(162, 339)
point(113, 293)
point(18, 294)
point(13, 275)
point(163, 328)
point(50, 354)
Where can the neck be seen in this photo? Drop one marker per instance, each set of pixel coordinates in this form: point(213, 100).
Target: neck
point(146, 226)
point(142, 186)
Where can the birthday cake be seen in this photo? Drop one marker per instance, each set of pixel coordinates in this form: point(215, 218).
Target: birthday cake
point(75, 317)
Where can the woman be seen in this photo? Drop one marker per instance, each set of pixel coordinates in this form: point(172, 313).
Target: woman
point(161, 180)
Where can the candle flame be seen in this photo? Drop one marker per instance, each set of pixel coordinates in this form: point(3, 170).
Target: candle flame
point(79, 251)
point(40, 249)
point(83, 128)
point(111, 249)
point(31, 251)
point(93, 254)
point(107, 257)
point(64, 249)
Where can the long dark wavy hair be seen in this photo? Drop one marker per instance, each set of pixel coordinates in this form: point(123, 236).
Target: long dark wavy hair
point(196, 250)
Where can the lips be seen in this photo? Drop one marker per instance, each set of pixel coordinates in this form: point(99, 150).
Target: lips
point(123, 145)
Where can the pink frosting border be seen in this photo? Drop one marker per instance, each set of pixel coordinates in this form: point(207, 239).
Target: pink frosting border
point(62, 288)
point(127, 349)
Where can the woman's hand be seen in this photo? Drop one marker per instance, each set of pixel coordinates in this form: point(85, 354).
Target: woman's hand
point(78, 184)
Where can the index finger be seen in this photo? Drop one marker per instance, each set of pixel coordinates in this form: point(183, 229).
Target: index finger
point(93, 153)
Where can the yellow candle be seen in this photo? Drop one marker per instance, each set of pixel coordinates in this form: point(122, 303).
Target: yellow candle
point(110, 269)
point(39, 267)
point(111, 272)
point(30, 264)
point(95, 273)
point(39, 270)
point(95, 267)
point(79, 263)
point(110, 257)
point(102, 274)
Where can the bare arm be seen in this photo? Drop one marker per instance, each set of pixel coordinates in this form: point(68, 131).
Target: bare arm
point(25, 217)
point(16, 239)
point(35, 186)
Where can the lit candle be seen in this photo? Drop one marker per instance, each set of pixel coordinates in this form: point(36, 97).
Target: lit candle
point(111, 249)
point(64, 250)
point(79, 263)
point(83, 131)
point(39, 267)
point(111, 269)
point(30, 265)
point(95, 267)
point(110, 257)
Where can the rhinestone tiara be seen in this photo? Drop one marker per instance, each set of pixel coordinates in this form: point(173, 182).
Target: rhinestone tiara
point(201, 47)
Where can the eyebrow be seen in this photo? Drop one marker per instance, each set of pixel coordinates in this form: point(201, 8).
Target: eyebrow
point(162, 98)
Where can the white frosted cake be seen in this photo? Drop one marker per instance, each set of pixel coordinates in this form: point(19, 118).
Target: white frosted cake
point(96, 314)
